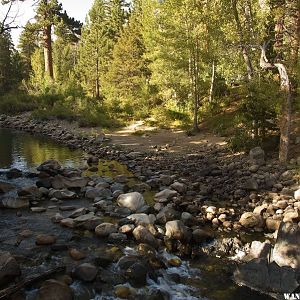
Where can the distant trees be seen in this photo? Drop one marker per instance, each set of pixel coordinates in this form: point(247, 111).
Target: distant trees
point(185, 59)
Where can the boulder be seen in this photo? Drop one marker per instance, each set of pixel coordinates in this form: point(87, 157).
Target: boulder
point(286, 250)
point(250, 220)
point(92, 193)
point(51, 167)
point(86, 272)
point(143, 235)
point(15, 203)
point(297, 194)
point(44, 239)
point(62, 194)
point(179, 187)
point(165, 195)
point(60, 182)
point(31, 191)
point(167, 214)
point(177, 230)
point(134, 201)
point(266, 277)
point(54, 290)
point(257, 156)
point(9, 268)
point(105, 229)
point(142, 218)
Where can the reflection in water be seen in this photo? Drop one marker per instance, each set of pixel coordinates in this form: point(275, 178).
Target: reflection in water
point(24, 151)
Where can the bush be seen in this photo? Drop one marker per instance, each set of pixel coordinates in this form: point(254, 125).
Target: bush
point(13, 102)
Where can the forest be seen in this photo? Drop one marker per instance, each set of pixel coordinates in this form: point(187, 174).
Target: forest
point(150, 152)
point(230, 64)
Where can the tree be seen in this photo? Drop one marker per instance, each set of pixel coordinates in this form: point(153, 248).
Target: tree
point(98, 39)
point(46, 15)
point(8, 21)
point(128, 74)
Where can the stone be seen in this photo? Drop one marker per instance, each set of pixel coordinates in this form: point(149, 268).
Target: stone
point(62, 194)
point(50, 166)
point(179, 187)
point(297, 194)
point(127, 228)
point(9, 268)
point(291, 216)
point(257, 156)
point(117, 237)
point(15, 203)
point(76, 254)
point(54, 290)
point(286, 250)
point(165, 195)
point(266, 277)
point(136, 274)
point(272, 224)
point(123, 292)
point(105, 229)
point(142, 219)
point(86, 272)
point(250, 220)
point(60, 182)
point(167, 214)
point(5, 187)
point(177, 230)
point(78, 212)
point(92, 193)
point(38, 209)
point(143, 235)
point(134, 201)
point(44, 239)
point(201, 236)
point(68, 222)
point(31, 191)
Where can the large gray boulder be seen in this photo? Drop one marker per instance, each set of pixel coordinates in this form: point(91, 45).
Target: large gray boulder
point(287, 247)
point(257, 156)
point(266, 277)
point(134, 201)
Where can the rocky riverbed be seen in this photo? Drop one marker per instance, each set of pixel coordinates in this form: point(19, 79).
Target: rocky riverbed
point(208, 202)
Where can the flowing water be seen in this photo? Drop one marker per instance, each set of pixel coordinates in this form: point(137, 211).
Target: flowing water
point(196, 279)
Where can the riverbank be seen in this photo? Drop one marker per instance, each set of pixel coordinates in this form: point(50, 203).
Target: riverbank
point(230, 193)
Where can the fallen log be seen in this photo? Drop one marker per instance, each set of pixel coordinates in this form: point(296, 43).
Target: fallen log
point(7, 292)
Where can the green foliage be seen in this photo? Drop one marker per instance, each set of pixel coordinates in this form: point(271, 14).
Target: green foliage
point(12, 103)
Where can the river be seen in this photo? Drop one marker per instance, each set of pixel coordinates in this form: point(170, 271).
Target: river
point(205, 278)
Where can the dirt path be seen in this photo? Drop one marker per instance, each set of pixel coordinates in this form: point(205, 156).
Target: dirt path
point(139, 137)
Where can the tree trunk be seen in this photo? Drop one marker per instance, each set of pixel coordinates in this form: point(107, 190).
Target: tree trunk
point(245, 53)
point(286, 113)
point(48, 51)
point(212, 83)
point(286, 110)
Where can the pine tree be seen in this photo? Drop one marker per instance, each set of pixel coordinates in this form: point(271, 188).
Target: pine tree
point(128, 74)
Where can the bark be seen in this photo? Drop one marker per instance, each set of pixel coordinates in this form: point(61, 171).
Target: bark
point(212, 84)
point(286, 110)
point(279, 29)
point(48, 51)
point(245, 52)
